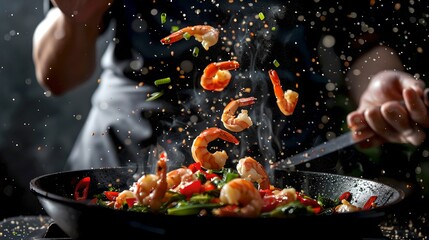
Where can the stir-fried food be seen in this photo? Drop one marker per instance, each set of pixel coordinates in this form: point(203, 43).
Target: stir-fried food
point(242, 192)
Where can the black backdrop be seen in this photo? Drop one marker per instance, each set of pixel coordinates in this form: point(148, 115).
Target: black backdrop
point(37, 131)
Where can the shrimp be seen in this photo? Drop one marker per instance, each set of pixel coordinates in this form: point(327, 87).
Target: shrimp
point(207, 35)
point(252, 170)
point(121, 199)
point(242, 121)
point(242, 197)
point(178, 177)
point(201, 154)
point(216, 75)
point(150, 189)
point(284, 196)
point(346, 206)
point(285, 101)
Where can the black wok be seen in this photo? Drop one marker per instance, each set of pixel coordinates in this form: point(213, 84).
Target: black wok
point(82, 220)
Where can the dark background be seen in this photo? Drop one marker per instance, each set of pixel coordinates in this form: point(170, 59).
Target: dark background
point(36, 130)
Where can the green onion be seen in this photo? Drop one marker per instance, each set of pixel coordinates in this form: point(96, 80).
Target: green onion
point(192, 209)
point(261, 16)
point(186, 36)
point(155, 96)
point(162, 81)
point(195, 51)
point(174, 28)
point(163, 18)
point(276, 63)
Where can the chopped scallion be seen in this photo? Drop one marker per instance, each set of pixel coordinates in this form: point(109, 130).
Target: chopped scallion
point(261, 16)
point(195, 51)
point(174, 28)
point(155, 96)
point(186, 36)
point(276, 63)
point(163, 18)
point(162, 81)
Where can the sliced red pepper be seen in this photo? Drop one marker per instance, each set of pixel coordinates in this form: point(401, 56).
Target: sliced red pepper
point(264, 192)
point(131, 202)
point(194, 166)
point(208, 186)
point(370, 203)
point(210, 176)
point(111, 195)
point(346, 196)
point(81, 189)
point(307, 201)
point(269, 203)
point(93, 201)
point(191, 188)
point(317, 210)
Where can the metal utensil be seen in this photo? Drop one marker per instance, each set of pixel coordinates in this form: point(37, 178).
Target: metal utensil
point(335, 144)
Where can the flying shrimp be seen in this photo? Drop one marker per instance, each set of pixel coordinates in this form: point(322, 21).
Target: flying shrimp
point(286, 101)
point(216, 76)
point(207, 35)
point(201, 154)
point(242, 120)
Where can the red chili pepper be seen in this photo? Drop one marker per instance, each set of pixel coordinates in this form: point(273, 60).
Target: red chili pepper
point(81, 189)
point(317, 210)
point(111, 195)
point(370, 203)
point(346, 196)
point(209, 176)
point(208, 186)
point(93, 201)
point(131, 202)
point(194, 166)
point(191, 188)
point(307, 201)
point(269, 203)
point(264, 192)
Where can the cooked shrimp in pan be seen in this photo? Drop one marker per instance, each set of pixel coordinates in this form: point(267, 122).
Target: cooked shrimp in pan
point(150, 189)
point(285, 101)
point(216, 75)
point(243, 199)
point(346, 206)
point(121, 199)
point(252, 170)
point(178, 177)
point(242, 121)
point(201, 154)
point(207, 35)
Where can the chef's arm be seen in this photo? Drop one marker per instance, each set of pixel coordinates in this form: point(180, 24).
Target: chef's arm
point(64, 46)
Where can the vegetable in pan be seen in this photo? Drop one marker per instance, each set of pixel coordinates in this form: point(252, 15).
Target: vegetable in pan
point(241, 192)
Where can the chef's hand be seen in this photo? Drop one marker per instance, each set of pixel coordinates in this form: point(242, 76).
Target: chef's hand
point(83, 11)
point(393, 109)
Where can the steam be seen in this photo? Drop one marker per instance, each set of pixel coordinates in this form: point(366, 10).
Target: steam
point(248, 39)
